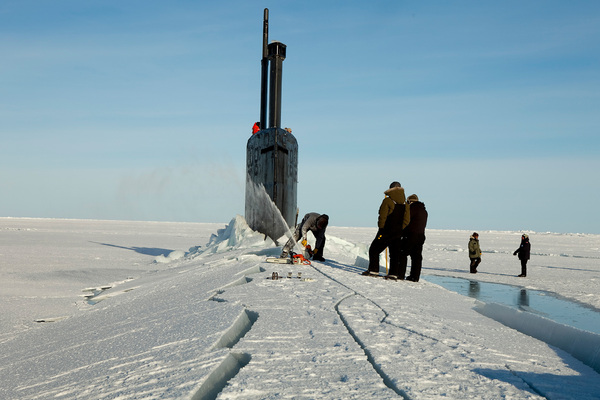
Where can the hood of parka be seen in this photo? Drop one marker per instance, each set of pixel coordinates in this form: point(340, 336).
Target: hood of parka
point(396, 194)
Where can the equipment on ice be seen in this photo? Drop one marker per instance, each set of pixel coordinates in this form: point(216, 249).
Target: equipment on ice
point(294, 259)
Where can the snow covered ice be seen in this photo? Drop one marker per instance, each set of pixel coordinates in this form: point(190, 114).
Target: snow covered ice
point(140, 310)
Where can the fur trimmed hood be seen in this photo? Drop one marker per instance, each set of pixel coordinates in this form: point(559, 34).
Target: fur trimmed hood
point(396, 194)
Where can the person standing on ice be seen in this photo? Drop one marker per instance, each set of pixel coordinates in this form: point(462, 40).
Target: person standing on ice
point(474, 252)
point(415, 238)
point(524, 252)
point(317, 224)
point(393, 218)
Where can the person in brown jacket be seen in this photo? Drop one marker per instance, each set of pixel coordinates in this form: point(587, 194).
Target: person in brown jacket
point(474, 252)
point(393, 218)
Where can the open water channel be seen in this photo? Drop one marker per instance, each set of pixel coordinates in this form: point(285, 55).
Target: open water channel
point(542, 303)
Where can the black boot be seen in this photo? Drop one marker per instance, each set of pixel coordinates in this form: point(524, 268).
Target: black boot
point(318, 256)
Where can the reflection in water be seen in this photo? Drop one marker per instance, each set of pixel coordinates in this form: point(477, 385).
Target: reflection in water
point(474, 289)
point(523, 300)
point(534, 301)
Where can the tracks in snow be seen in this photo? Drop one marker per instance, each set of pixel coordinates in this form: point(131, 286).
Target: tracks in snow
point(412, 361)
point(417, 363)
point(377, 367)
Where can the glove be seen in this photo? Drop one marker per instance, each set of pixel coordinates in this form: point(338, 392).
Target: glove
point(304, 243)
point(515, 253)
point(315, 251)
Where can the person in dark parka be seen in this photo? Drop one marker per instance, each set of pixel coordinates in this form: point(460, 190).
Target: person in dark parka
point(524, 253)
point(415, 238)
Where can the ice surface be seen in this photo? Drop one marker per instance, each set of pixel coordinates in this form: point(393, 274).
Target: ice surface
point(206, 322)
